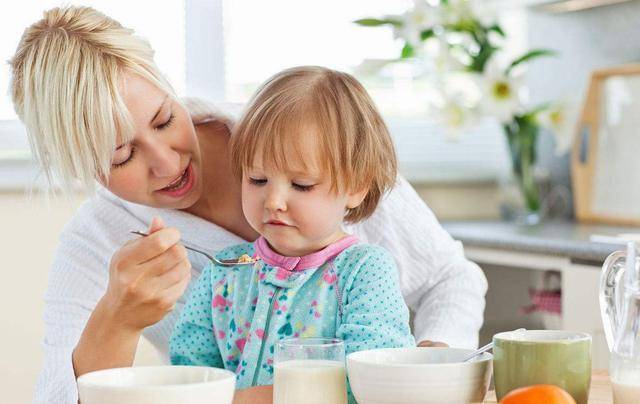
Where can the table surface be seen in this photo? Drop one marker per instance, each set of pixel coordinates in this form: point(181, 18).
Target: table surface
point(600, 392)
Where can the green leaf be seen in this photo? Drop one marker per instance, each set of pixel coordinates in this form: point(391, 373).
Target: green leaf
point(407, 51)
point(375, 22)
point(536, 53)
point(498, 29)
point(426, 34)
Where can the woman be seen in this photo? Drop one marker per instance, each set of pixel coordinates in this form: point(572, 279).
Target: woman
point(96, 108)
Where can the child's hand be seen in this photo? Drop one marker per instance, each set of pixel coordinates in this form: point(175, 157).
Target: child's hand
point(254, 395)
point(147, 276)
point(432, 344)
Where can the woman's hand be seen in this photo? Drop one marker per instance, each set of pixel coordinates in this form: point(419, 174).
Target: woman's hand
point(147, 276)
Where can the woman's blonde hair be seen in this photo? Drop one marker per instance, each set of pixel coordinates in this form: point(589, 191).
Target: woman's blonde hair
point(66, 79)
point(354, 145)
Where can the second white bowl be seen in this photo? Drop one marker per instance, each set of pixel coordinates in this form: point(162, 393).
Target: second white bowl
point(418, 375)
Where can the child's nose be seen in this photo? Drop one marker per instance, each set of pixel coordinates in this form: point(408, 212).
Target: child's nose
point(276, 200)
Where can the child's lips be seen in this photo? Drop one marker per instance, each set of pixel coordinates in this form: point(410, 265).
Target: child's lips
point(277, 223)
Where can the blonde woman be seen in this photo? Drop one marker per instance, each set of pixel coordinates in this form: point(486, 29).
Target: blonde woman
point(98, 112)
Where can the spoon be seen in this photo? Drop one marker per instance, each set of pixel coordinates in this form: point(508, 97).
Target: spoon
point(485, 348)
point(222, 263)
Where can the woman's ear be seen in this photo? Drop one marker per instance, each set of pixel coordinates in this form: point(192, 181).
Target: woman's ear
point(354, 199)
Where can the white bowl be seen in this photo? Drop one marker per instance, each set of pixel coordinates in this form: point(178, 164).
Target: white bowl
point(418, 375)
point(157, 385)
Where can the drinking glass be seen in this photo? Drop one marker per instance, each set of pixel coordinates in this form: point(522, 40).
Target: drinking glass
point(310, 371)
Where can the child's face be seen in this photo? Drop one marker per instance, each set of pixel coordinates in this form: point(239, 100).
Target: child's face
point(295, 209)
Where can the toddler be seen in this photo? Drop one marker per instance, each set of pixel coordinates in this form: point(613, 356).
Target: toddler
point(312, 152)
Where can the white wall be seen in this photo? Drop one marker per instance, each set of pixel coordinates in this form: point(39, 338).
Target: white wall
point(28, 238)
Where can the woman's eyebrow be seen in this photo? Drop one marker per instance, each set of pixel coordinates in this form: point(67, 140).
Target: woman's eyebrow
point(159, 109)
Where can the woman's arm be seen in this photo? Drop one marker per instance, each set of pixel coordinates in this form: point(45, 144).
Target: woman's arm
point(104, 343)
point(89, 329)
point(146, 278)
point(444, 289)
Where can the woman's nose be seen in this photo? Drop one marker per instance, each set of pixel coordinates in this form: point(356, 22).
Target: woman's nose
point(165, 161)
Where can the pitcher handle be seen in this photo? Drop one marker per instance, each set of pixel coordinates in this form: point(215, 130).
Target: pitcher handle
point(611, 294)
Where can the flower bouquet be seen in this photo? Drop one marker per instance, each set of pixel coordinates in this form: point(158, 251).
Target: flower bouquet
point(463, 42)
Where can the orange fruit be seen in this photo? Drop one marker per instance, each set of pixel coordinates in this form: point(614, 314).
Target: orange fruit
point(538, 394)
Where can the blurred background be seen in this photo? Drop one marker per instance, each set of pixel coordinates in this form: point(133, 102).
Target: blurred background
point(462, 165)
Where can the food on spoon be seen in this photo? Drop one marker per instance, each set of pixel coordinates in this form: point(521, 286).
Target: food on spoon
point(245, 258)
point(536, 394)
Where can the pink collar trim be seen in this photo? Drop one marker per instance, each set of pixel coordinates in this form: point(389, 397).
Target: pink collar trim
point(295, 264)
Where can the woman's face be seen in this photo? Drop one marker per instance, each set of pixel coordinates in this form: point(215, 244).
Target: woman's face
point(161, 166)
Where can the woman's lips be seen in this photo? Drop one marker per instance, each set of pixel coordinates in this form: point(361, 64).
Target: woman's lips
point(182, 185)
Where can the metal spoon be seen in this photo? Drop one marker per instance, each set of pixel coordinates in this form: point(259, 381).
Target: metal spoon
point(484, 349)
point(223, 263)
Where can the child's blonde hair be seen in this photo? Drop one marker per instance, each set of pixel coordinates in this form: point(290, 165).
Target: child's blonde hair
point(66, 78)
point(355, 147)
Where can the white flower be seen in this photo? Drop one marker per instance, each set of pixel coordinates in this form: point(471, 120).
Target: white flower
point(455, 117)
point(456, 108)
point(502, 94)
point(441, 55)
point(423, 16)
point(561, 119)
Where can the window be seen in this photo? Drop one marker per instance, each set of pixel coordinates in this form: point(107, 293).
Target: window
point(223, 49)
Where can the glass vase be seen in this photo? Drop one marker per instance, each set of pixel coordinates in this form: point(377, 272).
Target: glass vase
point(522, 136)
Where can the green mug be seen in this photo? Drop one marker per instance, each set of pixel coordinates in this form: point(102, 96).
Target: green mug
point(527, 357)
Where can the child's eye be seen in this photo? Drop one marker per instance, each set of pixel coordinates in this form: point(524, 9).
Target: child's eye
point(303, 188)
point(257, 181)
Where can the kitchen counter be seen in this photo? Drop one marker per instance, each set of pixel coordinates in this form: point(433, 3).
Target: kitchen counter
point(559, 238)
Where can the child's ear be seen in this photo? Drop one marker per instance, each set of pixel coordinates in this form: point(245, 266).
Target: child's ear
point(354, 199)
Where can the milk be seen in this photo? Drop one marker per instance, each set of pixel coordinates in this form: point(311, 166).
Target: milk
point(309, 382)
point(624, 393)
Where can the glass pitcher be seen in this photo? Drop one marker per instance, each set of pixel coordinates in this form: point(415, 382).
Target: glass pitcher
point(620, 309)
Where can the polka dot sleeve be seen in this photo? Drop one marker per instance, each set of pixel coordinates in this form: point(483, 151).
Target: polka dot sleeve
point(192, 341)
point(374, 313)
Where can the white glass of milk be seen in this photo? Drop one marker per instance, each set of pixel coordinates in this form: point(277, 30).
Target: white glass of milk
point(625, 379)
point(310, 371)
